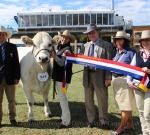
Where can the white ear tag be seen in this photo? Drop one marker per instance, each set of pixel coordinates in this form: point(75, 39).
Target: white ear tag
point(43, 76)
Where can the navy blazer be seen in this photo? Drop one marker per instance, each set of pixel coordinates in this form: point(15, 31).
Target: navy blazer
point(11, 62)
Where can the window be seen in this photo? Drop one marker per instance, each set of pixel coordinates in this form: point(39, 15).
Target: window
point(69, 19)
point(111, 19)
point(87, 19)
point(81, 19)
point(21, 21)
point(33, 21)
point(26, 20)
point(105, 19)
point(39, 20)
point(75, 19)
point(57, 20)
point(51, 20)
point(93, 18)
point(45, 20)
point(63, 20)
point(99, 19)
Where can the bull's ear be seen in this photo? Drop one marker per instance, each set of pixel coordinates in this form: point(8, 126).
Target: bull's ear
point(26, 40)
point(54, 42)
point(59, 33)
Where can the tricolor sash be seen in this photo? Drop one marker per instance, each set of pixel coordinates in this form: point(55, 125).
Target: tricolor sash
point(110, 65)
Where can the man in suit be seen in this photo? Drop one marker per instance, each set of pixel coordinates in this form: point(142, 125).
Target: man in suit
point(9, 73)
point(95, 79)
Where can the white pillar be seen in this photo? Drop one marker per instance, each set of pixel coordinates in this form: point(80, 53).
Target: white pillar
point(112, 4)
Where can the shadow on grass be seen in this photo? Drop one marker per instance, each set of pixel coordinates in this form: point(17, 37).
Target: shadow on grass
point(78, 117)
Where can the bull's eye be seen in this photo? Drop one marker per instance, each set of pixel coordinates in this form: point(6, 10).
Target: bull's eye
point(49, 45)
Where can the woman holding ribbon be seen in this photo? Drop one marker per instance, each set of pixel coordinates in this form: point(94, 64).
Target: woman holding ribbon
point(58, 75)
point(142, 60)
point(124, 96)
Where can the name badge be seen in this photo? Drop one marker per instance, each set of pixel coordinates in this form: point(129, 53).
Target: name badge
point(43, 76)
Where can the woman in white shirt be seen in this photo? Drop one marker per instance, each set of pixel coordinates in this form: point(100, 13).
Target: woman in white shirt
point(142, 59)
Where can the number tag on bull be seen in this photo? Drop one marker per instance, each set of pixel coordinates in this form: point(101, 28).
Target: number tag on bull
point(43, 76)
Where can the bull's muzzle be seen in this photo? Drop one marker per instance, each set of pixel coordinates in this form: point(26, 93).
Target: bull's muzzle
point(43, 60)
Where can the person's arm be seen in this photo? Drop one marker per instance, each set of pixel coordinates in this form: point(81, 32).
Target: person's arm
point(108, 75)
point(133, 63)
point(130, 78)
point(16, 66)
point(60, 61)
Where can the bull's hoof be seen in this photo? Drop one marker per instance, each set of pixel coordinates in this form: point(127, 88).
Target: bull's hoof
point(50, 115)
point(31, 121)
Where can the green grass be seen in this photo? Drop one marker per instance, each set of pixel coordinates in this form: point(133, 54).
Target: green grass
point(48, 126)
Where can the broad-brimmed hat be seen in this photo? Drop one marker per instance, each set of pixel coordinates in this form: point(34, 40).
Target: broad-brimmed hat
point(145, 35)
point(121, 34)
point(9, 33)
point(91, 27)
point(68, 34)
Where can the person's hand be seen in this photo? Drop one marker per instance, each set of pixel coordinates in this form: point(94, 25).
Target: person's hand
point(67, 51)
point(16, 81)
point(107, 82)
point(53, 54)
point(145, 69)
point(132, 86)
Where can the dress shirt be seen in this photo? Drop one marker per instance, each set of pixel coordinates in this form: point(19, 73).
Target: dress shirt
point(125, 56)
point(96, 43)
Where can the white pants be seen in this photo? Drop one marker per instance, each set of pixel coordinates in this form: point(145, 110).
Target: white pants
point(143, 105)
point(66, 117)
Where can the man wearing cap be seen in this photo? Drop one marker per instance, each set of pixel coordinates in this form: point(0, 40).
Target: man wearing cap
point(58, 75)
point(95, 79)
point(9, 73)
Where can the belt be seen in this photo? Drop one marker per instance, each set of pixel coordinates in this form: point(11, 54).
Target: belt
point(117, 75)
point(90, 70)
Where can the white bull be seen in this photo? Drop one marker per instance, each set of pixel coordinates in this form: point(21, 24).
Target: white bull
point(36, 69)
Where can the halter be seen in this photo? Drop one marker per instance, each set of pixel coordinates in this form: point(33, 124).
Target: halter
point(39, 51)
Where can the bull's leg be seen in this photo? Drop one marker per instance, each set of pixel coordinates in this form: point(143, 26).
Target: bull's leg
point(45, 99)
point(30, 102)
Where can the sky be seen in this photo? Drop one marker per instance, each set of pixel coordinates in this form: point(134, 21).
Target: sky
point(136, 10)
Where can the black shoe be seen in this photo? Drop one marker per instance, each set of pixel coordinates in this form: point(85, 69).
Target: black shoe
point(90, 125)
point(62, 126)
point(13, 122)
point(105, 126)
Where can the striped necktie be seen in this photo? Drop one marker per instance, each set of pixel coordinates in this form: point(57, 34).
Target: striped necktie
point(91, 50)
point(3, 52)
point(91, 53)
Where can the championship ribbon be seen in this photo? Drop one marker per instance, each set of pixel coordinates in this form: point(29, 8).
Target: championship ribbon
point(110, 65)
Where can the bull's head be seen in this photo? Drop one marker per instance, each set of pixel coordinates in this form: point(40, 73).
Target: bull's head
point(42, 44)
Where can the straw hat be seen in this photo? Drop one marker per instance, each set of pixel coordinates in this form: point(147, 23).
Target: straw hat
point(145, 35)
point(9, 33)
point(68, 34)
point(91, 27)
point(121, 34)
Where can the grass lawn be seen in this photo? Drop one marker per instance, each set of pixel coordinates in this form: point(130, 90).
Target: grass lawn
point(48, 126)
